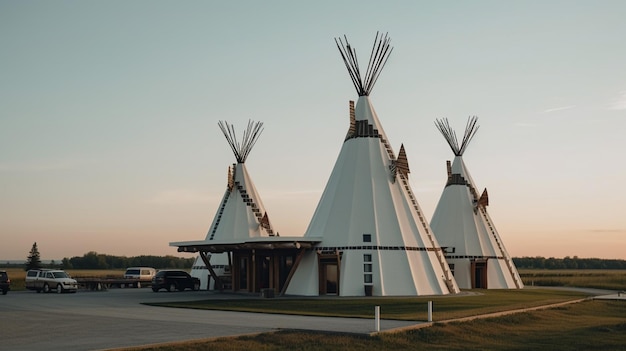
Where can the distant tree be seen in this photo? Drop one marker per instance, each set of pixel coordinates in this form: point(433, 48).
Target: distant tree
point(65, 264)
point(34, 259)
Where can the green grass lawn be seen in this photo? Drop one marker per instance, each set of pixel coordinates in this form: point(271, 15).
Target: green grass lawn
point(402, 308)
point(589, 325)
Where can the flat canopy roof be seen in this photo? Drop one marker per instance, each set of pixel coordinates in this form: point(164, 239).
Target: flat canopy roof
point(269, 243)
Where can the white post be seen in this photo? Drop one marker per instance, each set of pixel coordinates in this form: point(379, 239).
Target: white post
point(377, 318)
point(430, 311)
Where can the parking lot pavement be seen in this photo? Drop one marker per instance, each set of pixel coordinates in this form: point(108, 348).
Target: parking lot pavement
point(116, 318)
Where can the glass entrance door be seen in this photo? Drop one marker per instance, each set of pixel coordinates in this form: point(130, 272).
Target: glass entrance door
point(330, 282)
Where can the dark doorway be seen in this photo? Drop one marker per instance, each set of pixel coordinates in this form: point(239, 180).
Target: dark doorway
point(263, 267)
point(479, 274)
point(286, 263)
point(243, 273)
point(330, 280)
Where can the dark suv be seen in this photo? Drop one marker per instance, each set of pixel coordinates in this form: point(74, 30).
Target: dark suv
point(172, 280)
point(5, 282)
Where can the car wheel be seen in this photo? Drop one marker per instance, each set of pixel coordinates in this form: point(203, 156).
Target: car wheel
point(196, 286)
point(38, 290)
point(59, 289)
point(46, 288)
point(155, 289)
point(171, 287)
point(4, 292)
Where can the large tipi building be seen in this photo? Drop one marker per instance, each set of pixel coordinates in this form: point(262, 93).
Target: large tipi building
point(375, 238)
point(473, 247)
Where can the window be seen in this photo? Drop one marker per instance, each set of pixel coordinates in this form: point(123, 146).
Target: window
point(367, 238)
point(367, 268)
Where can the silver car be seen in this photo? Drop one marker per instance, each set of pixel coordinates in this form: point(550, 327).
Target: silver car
point(47, 280)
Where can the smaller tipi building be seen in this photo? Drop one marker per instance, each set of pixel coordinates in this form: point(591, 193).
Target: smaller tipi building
point(241, 251)
point(241, 214)
point(473, 247)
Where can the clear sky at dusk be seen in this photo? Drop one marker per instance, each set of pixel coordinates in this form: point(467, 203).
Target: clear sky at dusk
point(108, 115)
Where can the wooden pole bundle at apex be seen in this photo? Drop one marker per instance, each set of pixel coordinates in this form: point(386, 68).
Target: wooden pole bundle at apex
point(450, 135)
point(378, 57)
point(250, 136)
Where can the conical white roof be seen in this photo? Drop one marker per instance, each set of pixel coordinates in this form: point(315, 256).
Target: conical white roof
point(463, 226)
point(455, 222)
point(365, 197)
point(241, 210)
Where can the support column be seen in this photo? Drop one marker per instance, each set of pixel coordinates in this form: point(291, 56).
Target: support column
point(292, 271)
point(207, 262)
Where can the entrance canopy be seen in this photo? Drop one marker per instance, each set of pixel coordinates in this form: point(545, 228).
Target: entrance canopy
point(254, 263)
point(267, 243)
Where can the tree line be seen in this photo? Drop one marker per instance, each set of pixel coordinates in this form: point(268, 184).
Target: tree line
point(568, 263)
point(94, 260)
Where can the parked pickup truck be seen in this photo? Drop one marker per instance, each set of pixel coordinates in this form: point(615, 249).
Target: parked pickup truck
point(47, 280)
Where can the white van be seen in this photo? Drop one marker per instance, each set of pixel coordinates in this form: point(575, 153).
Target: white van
point(143, 274)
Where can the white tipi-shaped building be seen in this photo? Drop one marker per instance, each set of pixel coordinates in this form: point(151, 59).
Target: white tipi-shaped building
point(241, 214)
point(375, 238)
point(473, 247)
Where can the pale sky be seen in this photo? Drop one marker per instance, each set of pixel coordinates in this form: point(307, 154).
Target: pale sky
point(108, 115)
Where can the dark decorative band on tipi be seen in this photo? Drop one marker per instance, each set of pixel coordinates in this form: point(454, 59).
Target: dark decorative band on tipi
point(378, 57)
point(456, 179)
point(360, 128)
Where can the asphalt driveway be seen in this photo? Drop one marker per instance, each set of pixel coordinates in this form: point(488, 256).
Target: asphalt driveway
point(116, 318)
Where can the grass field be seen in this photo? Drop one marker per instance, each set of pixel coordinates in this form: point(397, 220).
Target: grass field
point(589, 325)
point(589, 278)
point(598, 325)
point(470, 303)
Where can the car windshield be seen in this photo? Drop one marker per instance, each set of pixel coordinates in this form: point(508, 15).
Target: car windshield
point(60, 275)
point(132, 271)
